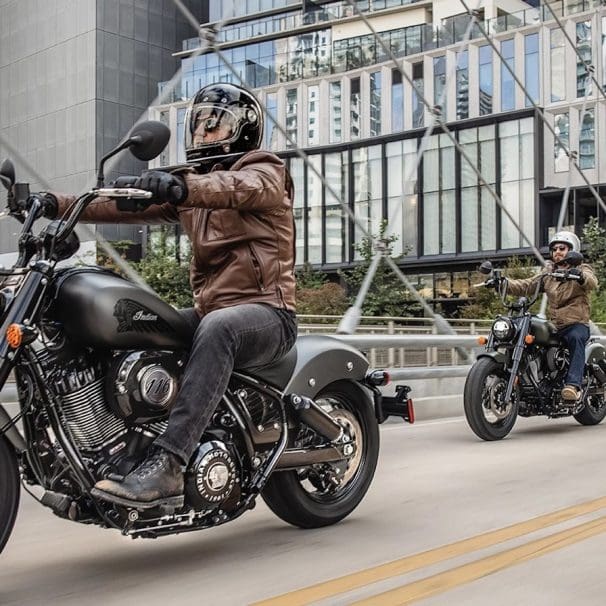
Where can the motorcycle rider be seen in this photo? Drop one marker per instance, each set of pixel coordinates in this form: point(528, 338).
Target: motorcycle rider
point(568, 304)
point(234, 201)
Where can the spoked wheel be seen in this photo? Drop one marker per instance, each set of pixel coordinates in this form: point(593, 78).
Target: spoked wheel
point(9, 491)
point(488, 415)
point(321, 495)
point(594, 410)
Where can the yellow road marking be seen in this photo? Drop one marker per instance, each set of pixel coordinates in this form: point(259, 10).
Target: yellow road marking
point(439, 583)
point(407, 564)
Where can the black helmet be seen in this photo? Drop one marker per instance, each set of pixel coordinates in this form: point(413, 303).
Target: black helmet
point(229, 111)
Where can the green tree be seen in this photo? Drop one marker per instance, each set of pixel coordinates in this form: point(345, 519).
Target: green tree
point(387, 295)
point(594, 237)
point(316, 295)
point(486, 303)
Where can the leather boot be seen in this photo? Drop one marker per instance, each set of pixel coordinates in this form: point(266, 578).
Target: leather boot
point(158, 480)
point(570, 393)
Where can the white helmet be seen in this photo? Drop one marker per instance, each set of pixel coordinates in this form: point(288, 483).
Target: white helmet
point(566, 237)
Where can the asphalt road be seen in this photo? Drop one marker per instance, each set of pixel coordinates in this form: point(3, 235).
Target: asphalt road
point(461, 521)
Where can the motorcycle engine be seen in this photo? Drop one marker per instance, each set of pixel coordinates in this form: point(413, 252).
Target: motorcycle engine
point(212, 478)
point(141, 386)
point(557, 359)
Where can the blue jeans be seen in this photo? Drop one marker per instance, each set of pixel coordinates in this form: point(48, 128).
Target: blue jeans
point(575, 336)
point(243, 336)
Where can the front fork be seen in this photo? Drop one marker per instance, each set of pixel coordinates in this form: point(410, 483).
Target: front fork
point(516, 357)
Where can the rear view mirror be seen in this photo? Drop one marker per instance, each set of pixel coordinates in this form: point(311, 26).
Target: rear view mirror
point(573, 258)
point(148, 139)
point(7, 174)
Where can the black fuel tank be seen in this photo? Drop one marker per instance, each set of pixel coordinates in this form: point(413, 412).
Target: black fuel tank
point(100, 309)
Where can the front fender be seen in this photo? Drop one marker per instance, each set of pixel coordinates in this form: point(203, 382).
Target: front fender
point(497, 356)
point(322, 360)
point(13, 435)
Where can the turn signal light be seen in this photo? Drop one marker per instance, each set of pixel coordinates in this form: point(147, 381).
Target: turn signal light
point(14, 335)
point(482, 340)
point(529, 339)
point(378, 378)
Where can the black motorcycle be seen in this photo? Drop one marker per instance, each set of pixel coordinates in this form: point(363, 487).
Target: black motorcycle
point(97, 363)
point(523, 368)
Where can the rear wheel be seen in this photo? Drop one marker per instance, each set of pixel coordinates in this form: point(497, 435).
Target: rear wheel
point(488, 415)
point(321, 495)
point(9, 490)
point(594, 410)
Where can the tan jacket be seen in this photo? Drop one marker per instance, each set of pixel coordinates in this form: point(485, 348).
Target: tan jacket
point(567, 302)
point(240, 223)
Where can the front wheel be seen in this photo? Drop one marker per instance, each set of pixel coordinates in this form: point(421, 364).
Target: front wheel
point(488, 415)
point(321, 495)
point(9, 490)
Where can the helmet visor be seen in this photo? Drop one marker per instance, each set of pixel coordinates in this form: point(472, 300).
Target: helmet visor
point(211, 124)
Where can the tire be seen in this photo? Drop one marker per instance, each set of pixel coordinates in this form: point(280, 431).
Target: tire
point(286, 492)
point(485, 414)
point(594, 410)
point(9, 490)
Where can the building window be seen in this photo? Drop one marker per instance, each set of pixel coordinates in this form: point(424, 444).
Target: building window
point(335, 112)
point(271, 131)
point(584, 48)
point(313, 115)
point(367, 194)
point(561, 125)
point(516, 141)
point(291, 117)
point(603, 50)
point(418, 90)
point(402, 195)
point(354, 108)
point(297, 172)
point(462, 85)
point(336, 172)
point(397, 101)
point(314, 210)
point(531, 68)
point(507, 81)
point(375, 104)
point(180, 135)
point(478, 207)
point(558, 64)
point(439, 215)
point(486, 85)
point(439, 83)
point(587, 139)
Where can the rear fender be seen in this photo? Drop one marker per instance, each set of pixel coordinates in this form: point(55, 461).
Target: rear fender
point(322, 360)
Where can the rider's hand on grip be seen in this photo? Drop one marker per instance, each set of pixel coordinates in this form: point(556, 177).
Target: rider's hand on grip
point(48, 206)
point(576, 274)
point(165, 187)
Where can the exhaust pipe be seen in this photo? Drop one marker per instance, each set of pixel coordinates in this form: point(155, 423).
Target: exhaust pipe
point(313, 415)
point(294, 458)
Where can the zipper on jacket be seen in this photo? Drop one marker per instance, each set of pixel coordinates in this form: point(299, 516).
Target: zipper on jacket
point(257, 268)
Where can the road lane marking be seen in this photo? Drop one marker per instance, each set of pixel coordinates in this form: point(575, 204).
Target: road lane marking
point(355, 580)
point(442, 582)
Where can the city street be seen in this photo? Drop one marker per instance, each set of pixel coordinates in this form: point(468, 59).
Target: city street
point(436, 485)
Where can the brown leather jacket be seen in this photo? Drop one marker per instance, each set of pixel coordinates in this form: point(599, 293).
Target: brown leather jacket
point(240, 223)
point(567, 302)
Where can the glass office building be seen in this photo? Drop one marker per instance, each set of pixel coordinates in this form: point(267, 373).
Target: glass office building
point(338, 95)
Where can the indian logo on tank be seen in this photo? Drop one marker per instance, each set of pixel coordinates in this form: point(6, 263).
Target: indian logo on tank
point(134, 317)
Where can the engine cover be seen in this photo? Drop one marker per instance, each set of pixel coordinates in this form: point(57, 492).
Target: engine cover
point(211, 477)
point(142, 385)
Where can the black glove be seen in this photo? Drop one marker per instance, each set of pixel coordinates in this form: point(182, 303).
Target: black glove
point(575, 271)
point(48, 209)
point(125, 181)
point(164, 187)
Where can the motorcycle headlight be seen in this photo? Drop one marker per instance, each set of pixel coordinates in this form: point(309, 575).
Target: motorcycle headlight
point(503, 329)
